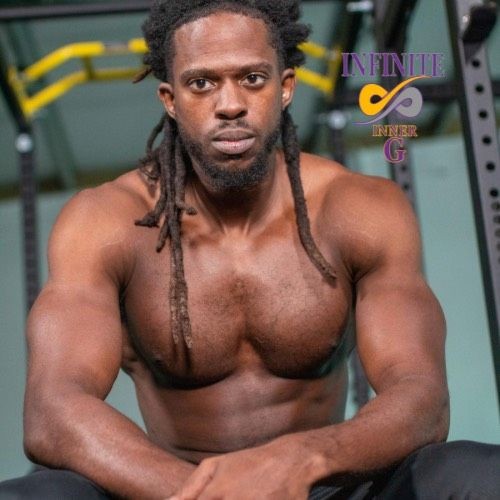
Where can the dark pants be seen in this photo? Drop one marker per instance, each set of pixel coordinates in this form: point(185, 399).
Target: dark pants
point(450, 471)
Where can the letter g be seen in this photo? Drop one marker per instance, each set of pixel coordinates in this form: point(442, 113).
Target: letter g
point(394, 155)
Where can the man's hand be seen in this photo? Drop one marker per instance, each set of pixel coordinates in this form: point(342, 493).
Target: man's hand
point(272, 471)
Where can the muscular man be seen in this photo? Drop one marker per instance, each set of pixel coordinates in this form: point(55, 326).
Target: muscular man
point(236, 286)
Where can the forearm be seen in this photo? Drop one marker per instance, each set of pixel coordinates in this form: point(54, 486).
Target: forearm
point(398, 421)
point(86, 435)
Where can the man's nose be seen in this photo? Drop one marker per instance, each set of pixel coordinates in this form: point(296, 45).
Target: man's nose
point(231, 103)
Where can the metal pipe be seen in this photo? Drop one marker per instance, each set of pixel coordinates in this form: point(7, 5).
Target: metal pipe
point(91, 9)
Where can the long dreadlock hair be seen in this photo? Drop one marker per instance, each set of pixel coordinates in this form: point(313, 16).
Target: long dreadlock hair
point(167, 164)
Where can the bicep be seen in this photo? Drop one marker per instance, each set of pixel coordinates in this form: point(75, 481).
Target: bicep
point(400, 327)
point(400, 330)
point(74, 340)
point(74, 329)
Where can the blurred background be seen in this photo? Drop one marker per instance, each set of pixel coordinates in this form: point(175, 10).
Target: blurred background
point(97, 131)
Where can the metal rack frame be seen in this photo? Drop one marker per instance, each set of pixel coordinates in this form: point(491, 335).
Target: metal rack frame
point(471, 22)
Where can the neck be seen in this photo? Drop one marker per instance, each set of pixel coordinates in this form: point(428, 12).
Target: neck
point(238, 210)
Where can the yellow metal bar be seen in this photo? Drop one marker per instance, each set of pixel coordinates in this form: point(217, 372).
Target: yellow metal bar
point(138, 46)
point(60, 56)
point(110, 74)
point(316, 80)
point(84, 50)
point(319, 52)
point(49, 94)
point(324, 83)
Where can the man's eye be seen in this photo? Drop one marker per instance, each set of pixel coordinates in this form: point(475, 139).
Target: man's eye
point(200, 84)
point(255, 79)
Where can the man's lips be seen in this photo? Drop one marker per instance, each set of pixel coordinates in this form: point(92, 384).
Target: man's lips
point(237, 147)
point(233, 142)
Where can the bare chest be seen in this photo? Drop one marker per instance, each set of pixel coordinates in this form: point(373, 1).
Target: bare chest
point(253, 304)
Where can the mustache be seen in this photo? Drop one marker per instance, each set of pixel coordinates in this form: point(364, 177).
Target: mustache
point(240, 123)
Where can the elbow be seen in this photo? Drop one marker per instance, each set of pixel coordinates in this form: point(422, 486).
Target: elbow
point(443, 427)
point(35, 441)
point(439, 424)
point(51, 428)
point(33, 445)
point(428, 415)
point(39, 435)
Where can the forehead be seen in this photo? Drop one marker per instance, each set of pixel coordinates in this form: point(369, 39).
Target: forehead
point(220, 39)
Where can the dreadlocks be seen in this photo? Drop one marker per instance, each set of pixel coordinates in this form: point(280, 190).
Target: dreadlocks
point(167, 164)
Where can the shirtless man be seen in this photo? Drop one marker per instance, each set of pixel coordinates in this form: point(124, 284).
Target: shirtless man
point(234, 328)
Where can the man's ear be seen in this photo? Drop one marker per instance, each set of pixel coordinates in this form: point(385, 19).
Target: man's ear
point(166, 96)
point(288, 81)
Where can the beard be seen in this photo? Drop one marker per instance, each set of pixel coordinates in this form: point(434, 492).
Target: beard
point(222, 178)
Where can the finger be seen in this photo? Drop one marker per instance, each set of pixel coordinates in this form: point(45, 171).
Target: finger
point(197, 481)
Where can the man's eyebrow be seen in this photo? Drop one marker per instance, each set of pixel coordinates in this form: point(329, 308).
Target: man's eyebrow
point(211, 73)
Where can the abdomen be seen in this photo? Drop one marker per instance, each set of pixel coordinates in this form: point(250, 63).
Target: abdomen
point(248, 408)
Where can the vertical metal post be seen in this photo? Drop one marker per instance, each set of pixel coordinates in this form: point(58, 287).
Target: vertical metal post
point(25, 148)
point(471, 21)
point(391, 22)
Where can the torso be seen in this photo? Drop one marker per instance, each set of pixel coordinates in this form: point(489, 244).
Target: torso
point(269, 332)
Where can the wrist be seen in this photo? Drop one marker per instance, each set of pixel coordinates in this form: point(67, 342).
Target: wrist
point(304, 455)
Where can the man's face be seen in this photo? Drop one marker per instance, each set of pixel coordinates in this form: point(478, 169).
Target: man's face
point(227, 94)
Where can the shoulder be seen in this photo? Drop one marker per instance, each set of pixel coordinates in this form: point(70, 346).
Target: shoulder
point(369, 217)
point(109, 204)
point(96, 224)
point(338, 181)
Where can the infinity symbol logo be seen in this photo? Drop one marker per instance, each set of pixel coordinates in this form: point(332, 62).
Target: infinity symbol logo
point(406, 101)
